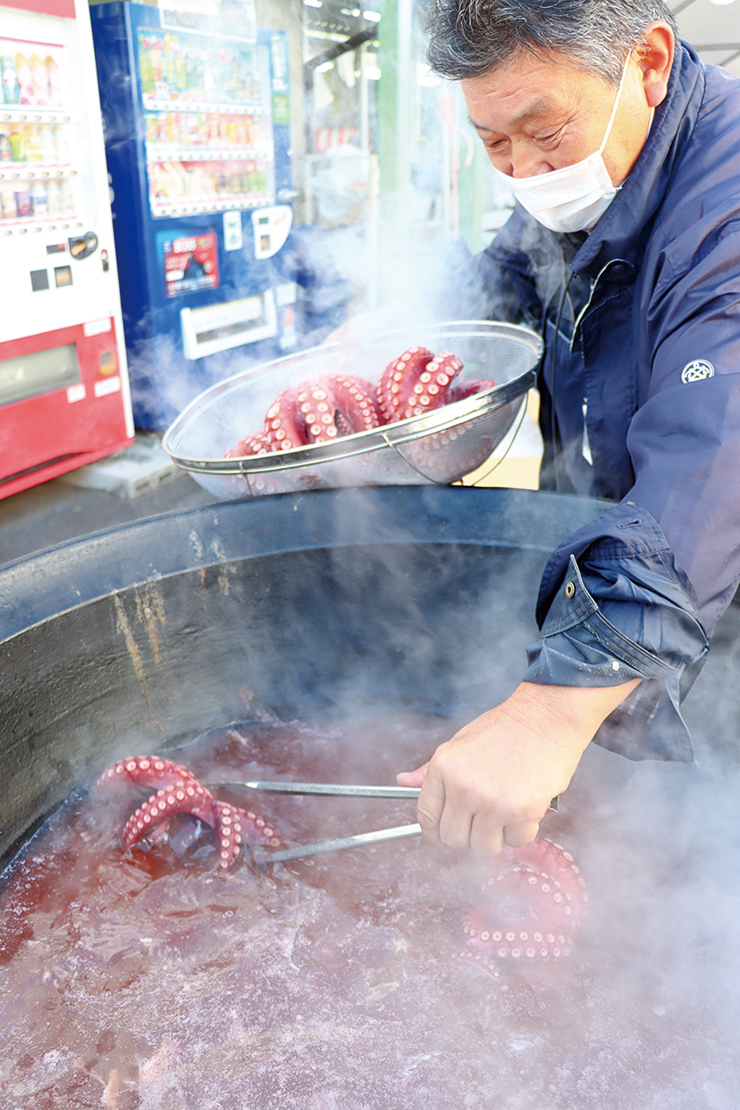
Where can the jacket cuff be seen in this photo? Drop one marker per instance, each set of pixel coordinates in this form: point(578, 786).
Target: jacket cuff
point(583, 646)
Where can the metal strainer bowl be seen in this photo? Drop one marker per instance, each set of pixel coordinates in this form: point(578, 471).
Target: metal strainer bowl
point(439, 447)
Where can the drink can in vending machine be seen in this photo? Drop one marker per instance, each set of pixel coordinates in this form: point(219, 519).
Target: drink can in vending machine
point(180, 70)
point(67, 196)
point(145, 66)
point(17, 145)
point(11, 88)
point(157, 57)
point(211, 127)
point(39, 81)
point(39, 200)
point(60, 142)
point(47, 146)
point(25, 78)
point(23, 205)
point(56, 99)
point(173, 128)
point(8, 208)
point(32, 142)
point(54, 198)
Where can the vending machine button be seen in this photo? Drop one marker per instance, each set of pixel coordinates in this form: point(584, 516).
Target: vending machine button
point(62, 276)
point(39, 280)
point(107, 363)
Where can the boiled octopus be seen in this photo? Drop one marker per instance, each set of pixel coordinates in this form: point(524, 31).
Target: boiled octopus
point(322, 409)
point(535, 898)
point(177, 791)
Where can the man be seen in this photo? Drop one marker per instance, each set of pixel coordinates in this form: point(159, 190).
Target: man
point(624, 154)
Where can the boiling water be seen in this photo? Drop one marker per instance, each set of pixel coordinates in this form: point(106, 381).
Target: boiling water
point(151, 980)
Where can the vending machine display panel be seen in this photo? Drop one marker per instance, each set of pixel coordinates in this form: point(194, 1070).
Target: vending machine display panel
point(23, 376)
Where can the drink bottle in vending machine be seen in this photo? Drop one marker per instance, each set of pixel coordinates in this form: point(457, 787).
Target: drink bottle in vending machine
point(64, 395)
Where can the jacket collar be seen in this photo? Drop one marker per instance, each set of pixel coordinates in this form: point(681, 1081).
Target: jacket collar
point(624, 228)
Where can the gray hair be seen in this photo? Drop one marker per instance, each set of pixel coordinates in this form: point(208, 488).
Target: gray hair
point(470, 37)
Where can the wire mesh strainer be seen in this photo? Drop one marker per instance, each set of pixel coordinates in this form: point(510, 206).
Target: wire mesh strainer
point(439, 447)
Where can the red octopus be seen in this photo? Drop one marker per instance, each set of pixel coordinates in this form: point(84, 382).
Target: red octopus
point(322, 409)
point(536, 898)
point(316, 411)
point(178, 791)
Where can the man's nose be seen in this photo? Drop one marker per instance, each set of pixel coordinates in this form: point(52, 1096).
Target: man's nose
point(527, 160)
point(528, 164)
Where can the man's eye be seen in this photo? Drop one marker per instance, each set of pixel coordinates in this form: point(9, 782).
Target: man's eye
point(552, 137)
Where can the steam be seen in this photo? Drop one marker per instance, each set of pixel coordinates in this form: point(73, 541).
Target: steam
point(642, 1014)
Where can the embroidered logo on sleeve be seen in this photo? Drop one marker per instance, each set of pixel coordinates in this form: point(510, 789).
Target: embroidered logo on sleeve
point(697, 371)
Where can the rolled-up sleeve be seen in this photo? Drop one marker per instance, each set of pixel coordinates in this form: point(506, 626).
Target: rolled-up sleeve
point(612, 607)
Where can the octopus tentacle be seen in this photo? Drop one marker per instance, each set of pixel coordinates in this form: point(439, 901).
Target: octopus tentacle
point(180, 793)
point(417, 382)
point(315, 411)
point(536, 896)
point(356, 405)
point(284, 426)
point(145, 770)
point(258, 444)
point(431, 391)
point(337, 404)
point(397, 381)
point(187, 796)
point(470, 388)
point(234, 826)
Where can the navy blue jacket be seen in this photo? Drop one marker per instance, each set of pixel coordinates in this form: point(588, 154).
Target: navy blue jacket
point(640, 384)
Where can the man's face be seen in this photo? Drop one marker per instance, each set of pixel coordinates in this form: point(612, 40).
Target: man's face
point(535, 115)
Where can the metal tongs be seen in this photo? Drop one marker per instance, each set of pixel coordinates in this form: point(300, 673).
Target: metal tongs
point(334, 789)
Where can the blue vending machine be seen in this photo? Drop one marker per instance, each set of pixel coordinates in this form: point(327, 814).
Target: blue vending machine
point(197, 135)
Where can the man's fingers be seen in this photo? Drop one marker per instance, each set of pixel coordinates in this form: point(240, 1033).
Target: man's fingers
point(455, 827)
point(412, 778)
point(516, 836)
point(431, 805)
point(487, 834)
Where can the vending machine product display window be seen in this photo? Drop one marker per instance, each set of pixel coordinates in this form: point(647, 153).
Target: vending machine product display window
point(198, 142)
point(207, 122)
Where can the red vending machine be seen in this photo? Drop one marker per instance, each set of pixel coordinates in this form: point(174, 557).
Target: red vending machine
point(64, 393)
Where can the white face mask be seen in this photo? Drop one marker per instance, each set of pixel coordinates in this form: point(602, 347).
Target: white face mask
point(572, 198)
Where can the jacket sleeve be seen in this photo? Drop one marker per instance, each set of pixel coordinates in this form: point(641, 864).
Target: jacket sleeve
point(613, 606)
point(638, 593)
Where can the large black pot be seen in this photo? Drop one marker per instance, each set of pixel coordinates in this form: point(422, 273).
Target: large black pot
point(144, 636)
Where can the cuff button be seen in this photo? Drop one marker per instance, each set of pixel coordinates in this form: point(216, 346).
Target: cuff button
point(570, 590)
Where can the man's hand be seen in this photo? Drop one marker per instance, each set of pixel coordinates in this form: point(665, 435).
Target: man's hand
point(491, 784)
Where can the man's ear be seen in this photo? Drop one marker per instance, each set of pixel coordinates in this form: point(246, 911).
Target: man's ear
point(655, 58)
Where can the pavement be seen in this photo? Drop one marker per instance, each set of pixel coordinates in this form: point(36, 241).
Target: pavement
point(56, 511)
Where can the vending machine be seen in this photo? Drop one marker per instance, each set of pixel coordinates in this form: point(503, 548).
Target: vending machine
point(64, 396)
point(197, 130)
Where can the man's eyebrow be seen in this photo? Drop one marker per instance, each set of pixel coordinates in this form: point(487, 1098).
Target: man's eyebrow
point(536, 109)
